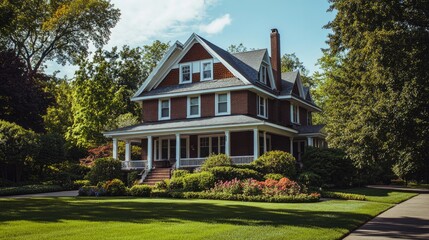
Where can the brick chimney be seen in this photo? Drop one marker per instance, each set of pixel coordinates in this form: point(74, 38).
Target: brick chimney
point(275, 58)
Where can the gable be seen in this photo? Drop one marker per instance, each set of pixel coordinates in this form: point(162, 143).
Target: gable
point(295, 89)
point(196, 53)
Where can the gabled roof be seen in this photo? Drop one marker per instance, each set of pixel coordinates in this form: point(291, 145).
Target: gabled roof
point(310, 129)
point(252, 58)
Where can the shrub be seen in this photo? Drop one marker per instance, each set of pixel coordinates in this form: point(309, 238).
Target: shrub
point(132, 177)
point(331, 165)
point(252, 187)
point(230, 187)
point(314, 197)
point(162, 185)
point(179, 173)
point(343, 196)
point(115, 187)
point(198, 181)
point(227, 173)
point(104, 169)
point(175, 184)
point(310, 179)
point(91, 191)
point(28, 189)
point(80, 183)
point(159, 194)
point(140, 190)
point(273, 176)
point(276, 162)
point(215, 160)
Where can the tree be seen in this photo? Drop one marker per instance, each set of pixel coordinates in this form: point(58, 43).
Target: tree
point(50, 151)
point(59, 116)
point(22, 99)
point(38, 31)
point(290, 62)
point(377, 99)
point(236, 48)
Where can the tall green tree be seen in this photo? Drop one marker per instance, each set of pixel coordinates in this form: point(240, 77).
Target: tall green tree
point(39, 30)
point(59, 116)
point(377, 106)
point(290, 62)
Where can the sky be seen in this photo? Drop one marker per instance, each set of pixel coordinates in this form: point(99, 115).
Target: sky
point(223, 22)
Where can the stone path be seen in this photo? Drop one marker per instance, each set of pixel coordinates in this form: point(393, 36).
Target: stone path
point(50, 194)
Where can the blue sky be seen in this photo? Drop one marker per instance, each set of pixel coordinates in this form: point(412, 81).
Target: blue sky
point(223, 22)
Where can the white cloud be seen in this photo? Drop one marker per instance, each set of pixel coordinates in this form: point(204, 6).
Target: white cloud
point(216, 25)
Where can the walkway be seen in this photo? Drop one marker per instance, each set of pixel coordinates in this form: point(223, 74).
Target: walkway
point(408, 220)
point(50, 194)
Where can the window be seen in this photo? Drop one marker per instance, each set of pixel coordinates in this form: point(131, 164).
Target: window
point(261, 144)
point(222, 104)
point(165, 148)
point(164, 109)
point(194, 104)
point(309, 118)
point(263, 73)
point(206, 70)
point(185, 73)
point(294, 113)
point(262, 107)
point(211, 144)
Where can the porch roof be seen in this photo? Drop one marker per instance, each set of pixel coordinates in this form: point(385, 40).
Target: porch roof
point(219, 123)
point(311, 130)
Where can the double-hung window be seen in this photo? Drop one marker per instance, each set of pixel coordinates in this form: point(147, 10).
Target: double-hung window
point(262, 107)
point(222, 104)
point(294, 113)
point(211, 144)
point(186, 73)
point(194, 106)
point(206, 70)
point(164, 109)
point(263, 74)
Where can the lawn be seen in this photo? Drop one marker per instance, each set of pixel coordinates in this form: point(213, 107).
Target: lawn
point(380, 195)
point(138, 218)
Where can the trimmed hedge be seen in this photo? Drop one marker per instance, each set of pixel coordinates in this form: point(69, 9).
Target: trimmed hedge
point(343, 196)
point(300, 198)
point(91, 191)
point(273, 176)
point(276, 162)
point(179, 173)
point(227, 173)
point(198, 181)
point(141, 191)
point(29, 189)
point(216, 160)
point(115, 187)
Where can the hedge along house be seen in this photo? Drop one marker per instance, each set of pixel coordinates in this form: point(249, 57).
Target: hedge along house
point(201, 99)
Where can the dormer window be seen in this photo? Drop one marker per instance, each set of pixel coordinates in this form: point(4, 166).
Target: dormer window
point(185, 73)
point(263, 74)
point(207, 70)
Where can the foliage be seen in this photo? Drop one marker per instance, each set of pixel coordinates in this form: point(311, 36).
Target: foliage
point(132, 178)
point(162, 185)
point(215, 160)
point(104, 169)
point(310, 179)
point(16, 146)
point(331, 165)
point(180, 173)
point(376, 98)
point(23, 100)
point(39, 31)
point(300, 198)
point(115, 187)
point(175, 183)
point(236, 48)
point(141, 191)
point(273, 176)
point(290, 62)
point(91, 191)
point(198, 181)
point(276, 162)
point(80, 183)
point(343, 196)
point(230, 172)
point(51, 150)
point(29, 189)
point(157, 193)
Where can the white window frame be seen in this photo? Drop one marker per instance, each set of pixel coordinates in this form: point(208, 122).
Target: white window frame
point(263, 75)
point(158, 147)
point(181, 73)
point(294, 106)
point(188, 107)
point(258, 102)
point(228, 104)
point(218, 136)
point(160, 109)
point(202, 70)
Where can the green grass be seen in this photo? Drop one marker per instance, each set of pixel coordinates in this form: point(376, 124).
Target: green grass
point(379, 195)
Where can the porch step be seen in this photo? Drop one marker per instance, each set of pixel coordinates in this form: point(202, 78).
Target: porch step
point(157, 175)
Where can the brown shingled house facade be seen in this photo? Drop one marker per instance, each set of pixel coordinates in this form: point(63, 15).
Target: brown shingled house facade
point(200, 99)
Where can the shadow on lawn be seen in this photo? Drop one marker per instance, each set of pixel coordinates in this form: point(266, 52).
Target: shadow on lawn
point(127, 210)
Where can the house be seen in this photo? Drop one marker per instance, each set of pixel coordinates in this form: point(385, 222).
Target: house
point(200, 99)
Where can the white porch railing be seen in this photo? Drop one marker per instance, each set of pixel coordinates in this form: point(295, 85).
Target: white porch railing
point(134, 164)
point(196, 162)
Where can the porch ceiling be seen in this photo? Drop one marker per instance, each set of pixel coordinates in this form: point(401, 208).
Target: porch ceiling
point(198, 125)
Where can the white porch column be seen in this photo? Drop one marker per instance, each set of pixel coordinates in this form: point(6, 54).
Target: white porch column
point(310, 141)
point(291, 145)
point(149, 152)
point(115, 148)
point(227, 144)
point(265, 141)
point(255, 143)
point(127, 150)
point(177, 150)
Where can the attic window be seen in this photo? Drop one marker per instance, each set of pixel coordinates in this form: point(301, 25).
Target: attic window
point(263, 74)
point(185, 73)
point(294, 114)
point(206, 70)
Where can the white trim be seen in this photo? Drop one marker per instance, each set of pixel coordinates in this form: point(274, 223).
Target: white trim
point(258, 105)
point(188, 64)
point(292, 120)
point(178, 146)
point(160, 109)
point(228, 104)
point(169, 138)
point(255, 143)
point(149, 152)
point(115, 148)
point(210, 61)
point(188, 107)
